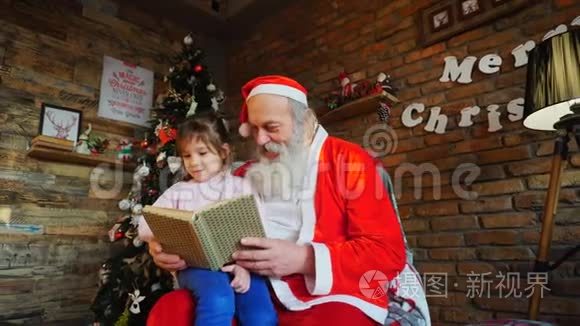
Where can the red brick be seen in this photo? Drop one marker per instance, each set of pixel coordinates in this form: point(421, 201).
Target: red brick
point(567, 216)
point(425, 52)
point(568, 233)
point(394, 159)
point(408, 69)
point(514, 78)
point(502, 304)
point(414, 225)
point(491, 172)
point(569, 287)
point(453, 299)
point(465, 316)
point(476, 145)
point(436, 209)
point(498, 237)
point(470, 90)
point(569, 179)
point(452, 254)
point(454, 223)
point(536, 200)
point(465, 268)
point(409, 144)
point(385, 66)
point(428, 75)
point(435, 87)
point(402, 47)
point(446, 138)
point(504, 253)
point(565, 3)
point(499, 187)
point(525, 137)
point(470, 36)
point(547, 148)
point(504, 155)
point(440, 240)
point(409, 94)
point(508, 220)
point(496, 204)
point(448, 268)
point(537, 166)
point(501, 97)
point(494, 40)
point(429, 154)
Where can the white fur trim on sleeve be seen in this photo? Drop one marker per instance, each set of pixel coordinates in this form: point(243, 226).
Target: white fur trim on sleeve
point(321, 284)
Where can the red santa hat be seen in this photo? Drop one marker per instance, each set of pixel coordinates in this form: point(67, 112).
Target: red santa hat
point(273, 84)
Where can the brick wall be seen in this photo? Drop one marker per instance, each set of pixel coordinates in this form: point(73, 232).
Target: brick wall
point(497, 232)
point(52, 51)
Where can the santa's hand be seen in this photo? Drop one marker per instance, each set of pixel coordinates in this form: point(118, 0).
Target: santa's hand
point(165, 261)
point(277, 258)
point(241, 281)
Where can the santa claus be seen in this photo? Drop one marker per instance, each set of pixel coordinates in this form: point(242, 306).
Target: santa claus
point(335, 253)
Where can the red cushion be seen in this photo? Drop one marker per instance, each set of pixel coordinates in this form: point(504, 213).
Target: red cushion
point(175, 308)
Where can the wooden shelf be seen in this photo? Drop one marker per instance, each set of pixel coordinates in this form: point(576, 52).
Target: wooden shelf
point(358, 107)
point(76, 158)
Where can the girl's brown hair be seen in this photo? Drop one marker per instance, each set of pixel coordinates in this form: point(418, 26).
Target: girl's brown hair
point(208, 128)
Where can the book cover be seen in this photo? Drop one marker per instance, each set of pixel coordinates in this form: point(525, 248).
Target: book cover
point(208, 237)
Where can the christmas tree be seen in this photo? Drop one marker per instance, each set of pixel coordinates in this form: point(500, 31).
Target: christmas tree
point(130, 283)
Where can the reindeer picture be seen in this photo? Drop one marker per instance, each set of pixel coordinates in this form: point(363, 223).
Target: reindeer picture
point(60, 122)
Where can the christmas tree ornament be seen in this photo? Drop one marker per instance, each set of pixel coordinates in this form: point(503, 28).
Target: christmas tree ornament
point(125, 204)
point(137, 209)
point(144, 144)
point(384, 111)
point(171, 69)
point(192, 108)
point(125, 150)
point(136, 299)
point(143, 171)
point(188, 40)
point(214, 104)
point(198, 68)
point(166, 135)
point(211, 88)
point(174, 163)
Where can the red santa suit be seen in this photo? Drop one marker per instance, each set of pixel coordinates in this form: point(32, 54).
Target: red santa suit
point(345, 213)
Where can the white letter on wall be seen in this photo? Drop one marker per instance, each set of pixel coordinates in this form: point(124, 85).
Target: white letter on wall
point(516, 109)
point(490, 63)
point(520, 53)
point(466, 115)
point(493, 118)
point(407, 116)
point(437, 121)
point(460, 73)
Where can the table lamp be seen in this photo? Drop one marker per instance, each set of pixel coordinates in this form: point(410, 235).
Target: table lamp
point(552, 103)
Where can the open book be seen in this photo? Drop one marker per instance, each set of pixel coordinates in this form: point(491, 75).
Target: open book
point(206, 238)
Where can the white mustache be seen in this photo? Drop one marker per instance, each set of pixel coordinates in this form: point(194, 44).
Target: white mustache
point(274, 147)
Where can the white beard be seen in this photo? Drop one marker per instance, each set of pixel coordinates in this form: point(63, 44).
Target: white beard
point(282, 178)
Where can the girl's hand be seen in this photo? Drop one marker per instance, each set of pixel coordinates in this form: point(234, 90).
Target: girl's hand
point(241, 281)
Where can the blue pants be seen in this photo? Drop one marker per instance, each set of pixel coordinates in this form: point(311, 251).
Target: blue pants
point(217, 303)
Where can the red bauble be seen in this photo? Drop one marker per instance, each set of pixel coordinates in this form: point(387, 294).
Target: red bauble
point(118, 235)
point(166, 135)
point(144, 144)
point(197, 68)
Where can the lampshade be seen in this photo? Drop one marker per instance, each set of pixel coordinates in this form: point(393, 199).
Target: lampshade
point(553, 80)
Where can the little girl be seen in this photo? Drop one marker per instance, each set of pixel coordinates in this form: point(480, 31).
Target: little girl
point(202, 142)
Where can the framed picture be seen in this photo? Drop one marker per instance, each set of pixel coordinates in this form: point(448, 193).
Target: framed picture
point(441, 19)
point(469, 8)
point(444, 19)
point(59, 122)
